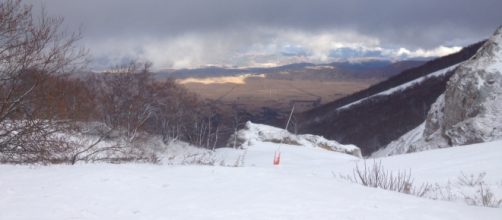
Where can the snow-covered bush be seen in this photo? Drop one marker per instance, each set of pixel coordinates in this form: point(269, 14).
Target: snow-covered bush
point(376, 176)
point(206, 158)
point(115, 150)
point(483, 196)
point(471, 189)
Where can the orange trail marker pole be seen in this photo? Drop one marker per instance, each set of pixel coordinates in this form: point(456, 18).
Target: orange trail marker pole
point(277, 158)
point(277, 155)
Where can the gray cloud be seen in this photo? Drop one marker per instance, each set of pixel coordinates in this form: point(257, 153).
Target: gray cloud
point(224, 31)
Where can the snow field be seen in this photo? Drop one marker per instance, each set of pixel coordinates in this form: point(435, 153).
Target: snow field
point(302, 187)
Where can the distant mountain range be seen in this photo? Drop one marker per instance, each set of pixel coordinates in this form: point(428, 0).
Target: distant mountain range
point(373, 69)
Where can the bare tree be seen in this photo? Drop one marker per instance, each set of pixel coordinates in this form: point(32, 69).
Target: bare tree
point(31, 48)
point(126, 101)
point(177, 109)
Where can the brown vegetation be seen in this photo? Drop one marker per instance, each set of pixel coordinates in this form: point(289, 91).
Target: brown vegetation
point(33, 52)
point(41, 106)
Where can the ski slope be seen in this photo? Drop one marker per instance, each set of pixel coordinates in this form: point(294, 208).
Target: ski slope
point(404, 86)
point(301, 187)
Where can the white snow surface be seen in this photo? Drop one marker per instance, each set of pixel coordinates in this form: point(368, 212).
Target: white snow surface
point(401, 145)
point(303, 186)
point(404, 86)
point(256, 133)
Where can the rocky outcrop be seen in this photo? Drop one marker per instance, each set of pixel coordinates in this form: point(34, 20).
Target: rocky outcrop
point(470, 110)
point(472, 103)
point(386, 111)
point(473, 98)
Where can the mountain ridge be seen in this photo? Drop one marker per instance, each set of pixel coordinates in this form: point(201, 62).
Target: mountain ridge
point(377, 121)
point(377, 69)
point(468, 112)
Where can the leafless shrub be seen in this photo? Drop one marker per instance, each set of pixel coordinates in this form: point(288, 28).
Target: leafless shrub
point(480, 192)
point(376, 176)
point(445, 193)
point(239, 162)
point(120, 154)
point(34, 141)
point(471, 180)
point(471, 189)
point(483, 197)
point(206, 159)
point(103, 147)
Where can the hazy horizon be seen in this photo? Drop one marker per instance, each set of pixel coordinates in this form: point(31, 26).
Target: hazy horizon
point(188, 34)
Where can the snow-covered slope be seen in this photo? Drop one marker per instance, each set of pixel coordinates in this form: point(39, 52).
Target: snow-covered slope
point(470, 110)
point(374, 117)
point(404, 86)
point(302, 187)
point(401, 145)
point(257, 133)
point(443, 165)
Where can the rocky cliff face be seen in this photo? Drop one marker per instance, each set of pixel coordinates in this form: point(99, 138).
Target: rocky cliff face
point(470, 110)
point(473, 97)
point(373, 117)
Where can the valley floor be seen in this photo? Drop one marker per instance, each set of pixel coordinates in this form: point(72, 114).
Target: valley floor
point(302, 187)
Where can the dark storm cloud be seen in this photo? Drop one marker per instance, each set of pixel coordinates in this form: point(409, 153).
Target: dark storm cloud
point(412, 24)
point(421, 23)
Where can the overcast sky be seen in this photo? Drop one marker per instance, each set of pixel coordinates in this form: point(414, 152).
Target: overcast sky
point(193, 33)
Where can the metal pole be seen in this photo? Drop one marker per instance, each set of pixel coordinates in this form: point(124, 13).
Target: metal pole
point(290, 115)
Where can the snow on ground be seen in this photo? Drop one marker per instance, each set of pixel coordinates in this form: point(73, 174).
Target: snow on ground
point(303, 186)
point(446, 164)
point(404, 86)
point(252, 133)
point(402, 144)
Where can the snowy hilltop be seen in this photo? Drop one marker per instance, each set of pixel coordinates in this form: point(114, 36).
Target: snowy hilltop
point(470, 110)
point(256, 133)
